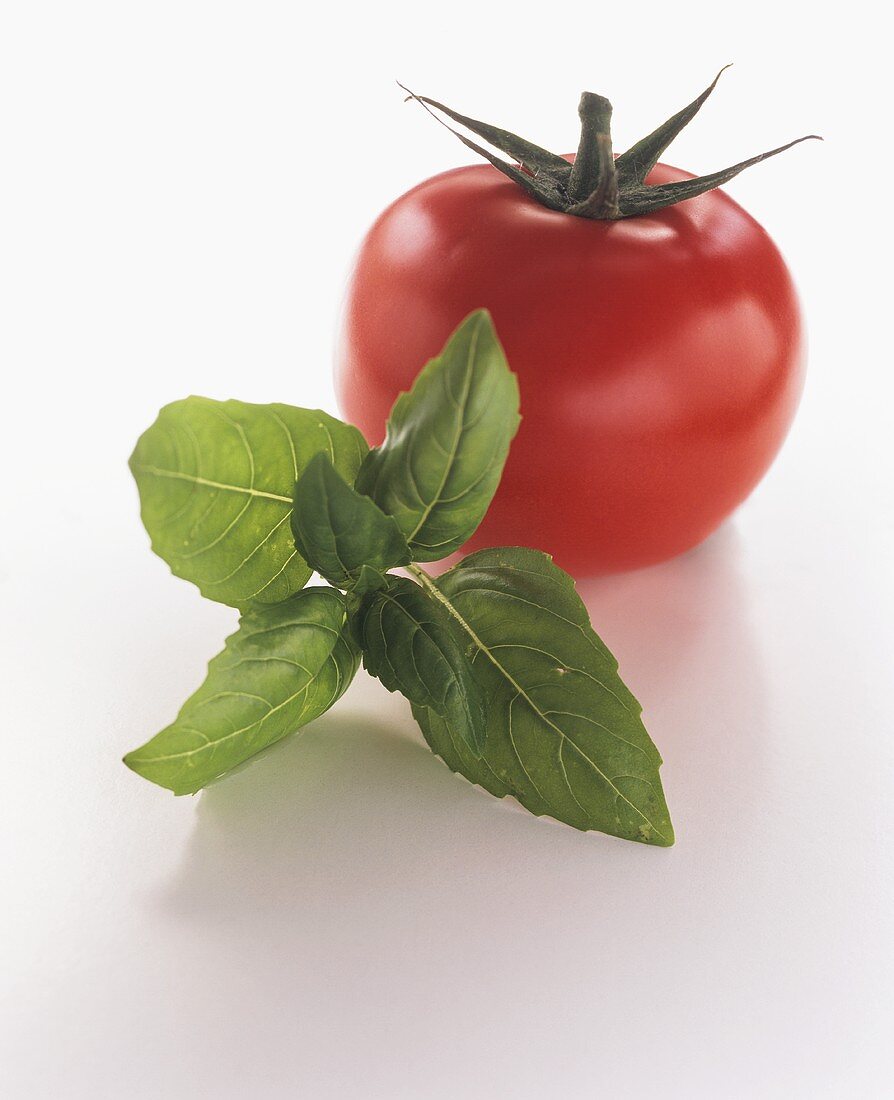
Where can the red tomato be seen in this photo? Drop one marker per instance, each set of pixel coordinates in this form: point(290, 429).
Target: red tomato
point(660, 357)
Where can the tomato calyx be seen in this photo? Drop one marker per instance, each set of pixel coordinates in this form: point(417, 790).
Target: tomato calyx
point(597, 185)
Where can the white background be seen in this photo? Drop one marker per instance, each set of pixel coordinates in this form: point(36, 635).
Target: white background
point(183, 185)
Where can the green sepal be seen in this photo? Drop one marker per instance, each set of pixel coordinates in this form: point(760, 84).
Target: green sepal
point(598, 186)
point(539, 172)
point(641, 158)
point(646, 199)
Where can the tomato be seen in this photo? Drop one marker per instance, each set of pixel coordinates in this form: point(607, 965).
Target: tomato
point(660, 357)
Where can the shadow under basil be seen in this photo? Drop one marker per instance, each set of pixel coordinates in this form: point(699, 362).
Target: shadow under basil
point(352, 806)
point(355, 811)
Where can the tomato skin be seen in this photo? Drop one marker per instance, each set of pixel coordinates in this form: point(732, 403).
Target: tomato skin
point(660, 358)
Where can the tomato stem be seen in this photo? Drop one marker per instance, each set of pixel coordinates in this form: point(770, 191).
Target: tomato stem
point(593, 180)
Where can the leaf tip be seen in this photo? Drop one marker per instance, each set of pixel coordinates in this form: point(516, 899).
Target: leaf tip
point(410, 95)
point(659, 838)
point(143, 767)
point(480, 318)
point(134, 760)
point(130, 760)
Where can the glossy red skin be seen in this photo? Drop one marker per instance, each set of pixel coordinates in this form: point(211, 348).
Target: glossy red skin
point(660, 358)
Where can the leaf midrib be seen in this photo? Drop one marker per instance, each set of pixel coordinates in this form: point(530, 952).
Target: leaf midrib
point(433, 590)
point(421, 627)
point(211, 745)
point(451, 457)
point(177, 475)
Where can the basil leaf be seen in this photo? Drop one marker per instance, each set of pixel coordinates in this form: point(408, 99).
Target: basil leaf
point(338, 531)
point(564, 735)
point(284, 666)
point(216, 480)
point(411, 644)
point(368, 580)
point(446, 444)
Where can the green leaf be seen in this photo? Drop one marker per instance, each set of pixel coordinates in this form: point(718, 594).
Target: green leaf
point(284, 666)
point(412, 645)
point(368, 580)
point(339, 532)
point(564, 735)
point(216, 480)
point(447, 441)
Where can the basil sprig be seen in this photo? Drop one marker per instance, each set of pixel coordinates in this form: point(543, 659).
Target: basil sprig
point(506, 677)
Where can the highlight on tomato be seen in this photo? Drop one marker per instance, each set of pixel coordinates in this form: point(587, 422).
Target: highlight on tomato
point(653, 325)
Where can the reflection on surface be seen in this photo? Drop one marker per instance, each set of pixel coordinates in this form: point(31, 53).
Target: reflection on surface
point(355, 808)
point(682, 634)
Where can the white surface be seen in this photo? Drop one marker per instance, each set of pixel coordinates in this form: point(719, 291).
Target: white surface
point(346, 918)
